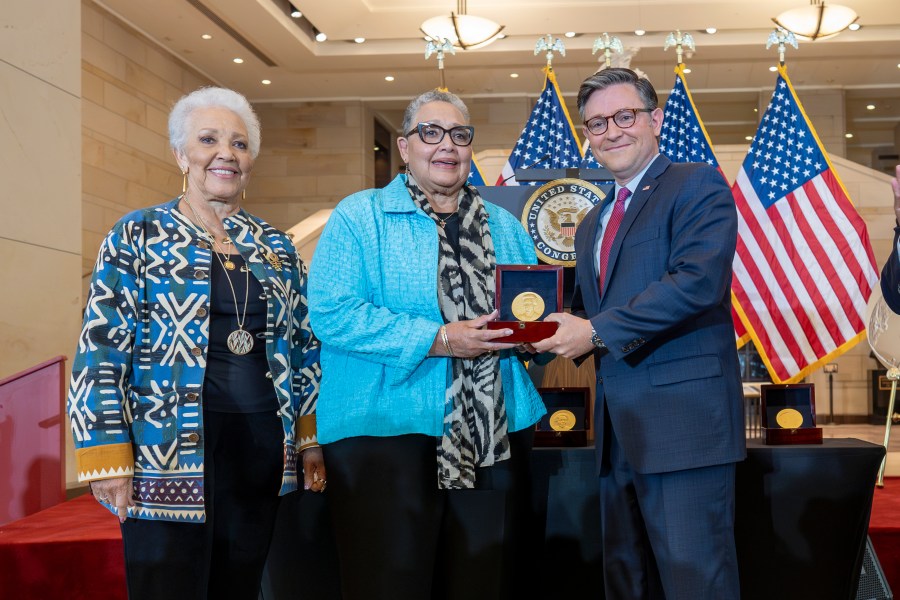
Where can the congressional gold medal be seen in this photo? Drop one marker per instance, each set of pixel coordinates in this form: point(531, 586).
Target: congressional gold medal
point(562, 420)
point(789, 418)
point(527, 306)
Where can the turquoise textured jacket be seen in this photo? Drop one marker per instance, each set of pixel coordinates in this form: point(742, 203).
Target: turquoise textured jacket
point(374, 306)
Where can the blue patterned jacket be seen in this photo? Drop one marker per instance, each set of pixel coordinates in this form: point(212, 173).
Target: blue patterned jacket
point(374, 305)
point(135, 397)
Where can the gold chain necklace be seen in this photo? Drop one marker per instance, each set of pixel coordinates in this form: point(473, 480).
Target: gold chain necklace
point(240, 341)
point(442, 221)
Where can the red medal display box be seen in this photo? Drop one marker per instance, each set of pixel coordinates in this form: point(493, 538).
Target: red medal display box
point(526, 294)
point(788, 414)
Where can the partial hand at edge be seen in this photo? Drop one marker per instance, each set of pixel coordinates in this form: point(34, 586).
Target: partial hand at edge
point(117, 492)
point(314, 473)
point(572, 339)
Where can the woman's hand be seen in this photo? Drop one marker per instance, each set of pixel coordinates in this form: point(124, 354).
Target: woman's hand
point(314, 469)
point(469, 339)
point(115, 492)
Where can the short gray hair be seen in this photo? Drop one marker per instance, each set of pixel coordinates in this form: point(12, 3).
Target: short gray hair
point(212, 97)
point(435, 95)
point(617, 76)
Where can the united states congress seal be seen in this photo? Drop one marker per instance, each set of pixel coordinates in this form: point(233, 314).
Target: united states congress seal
point(552, 214)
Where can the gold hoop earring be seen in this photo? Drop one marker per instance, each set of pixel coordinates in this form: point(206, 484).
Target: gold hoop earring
point(184, 182)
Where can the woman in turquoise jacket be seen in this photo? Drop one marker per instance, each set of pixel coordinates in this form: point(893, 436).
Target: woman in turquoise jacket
point(425, 419)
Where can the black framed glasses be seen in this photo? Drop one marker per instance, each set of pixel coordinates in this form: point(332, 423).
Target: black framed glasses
point(623, 119)
point(461, 135)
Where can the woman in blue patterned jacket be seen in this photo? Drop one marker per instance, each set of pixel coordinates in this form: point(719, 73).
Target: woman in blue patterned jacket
point(425, 418)
point(194, 388)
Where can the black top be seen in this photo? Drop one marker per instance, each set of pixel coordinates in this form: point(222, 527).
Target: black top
point(451, 228)
point(233, 383)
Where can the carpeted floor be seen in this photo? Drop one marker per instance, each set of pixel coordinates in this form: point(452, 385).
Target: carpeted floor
point(884, 530)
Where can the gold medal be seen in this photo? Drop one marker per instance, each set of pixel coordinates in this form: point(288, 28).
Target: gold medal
point(562, 420)
point(527, 306)
point(789, 418)
point(228, 265)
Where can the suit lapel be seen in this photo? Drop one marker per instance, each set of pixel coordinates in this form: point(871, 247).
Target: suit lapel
point(639, 199)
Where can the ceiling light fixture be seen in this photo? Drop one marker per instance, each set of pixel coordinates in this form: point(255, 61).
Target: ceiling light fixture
point(870, 107)
point(295, 13)
point(266, 81)
point(320, 36)
point(359, 40)
point(854, 26)
point(389, 78)
point(639, 32)
point(817, 21)
point(464, 31)
point(711, 30)
point(206, 36)
point(514, 75)
point(570, 34)
point(238, 60)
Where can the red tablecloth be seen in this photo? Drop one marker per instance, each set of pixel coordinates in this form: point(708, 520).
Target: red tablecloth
point(72, 550)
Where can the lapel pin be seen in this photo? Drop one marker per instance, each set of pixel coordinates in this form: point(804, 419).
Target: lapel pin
point(645, 188)
point(274, 260)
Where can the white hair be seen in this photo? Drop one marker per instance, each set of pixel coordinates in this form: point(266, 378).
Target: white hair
point(212, 97)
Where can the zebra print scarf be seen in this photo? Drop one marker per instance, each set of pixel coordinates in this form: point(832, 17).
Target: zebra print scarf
point(475, 425)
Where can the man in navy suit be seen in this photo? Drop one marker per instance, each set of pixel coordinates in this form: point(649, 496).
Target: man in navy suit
point(652, 302)
point(890, 274)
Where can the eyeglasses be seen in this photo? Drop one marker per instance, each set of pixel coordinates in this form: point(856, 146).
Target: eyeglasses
point(461, 135)
point(623, 119)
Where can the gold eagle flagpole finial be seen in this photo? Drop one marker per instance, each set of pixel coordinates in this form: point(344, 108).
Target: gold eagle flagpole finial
point(680, 41)
point(781, 36)
point(438, 48)
point(549, 44)
point(608, 45)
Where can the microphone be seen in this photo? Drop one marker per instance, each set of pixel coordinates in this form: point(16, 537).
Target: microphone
point(528, 166)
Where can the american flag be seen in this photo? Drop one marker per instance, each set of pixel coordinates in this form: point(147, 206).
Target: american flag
point(475, 175)
point(684, 139)
point(548, 140)
point(804, 267)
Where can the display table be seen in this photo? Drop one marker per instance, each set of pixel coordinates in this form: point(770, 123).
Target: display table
point(802, 517)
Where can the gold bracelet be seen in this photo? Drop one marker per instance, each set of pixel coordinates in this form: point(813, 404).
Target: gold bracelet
point(446, 340)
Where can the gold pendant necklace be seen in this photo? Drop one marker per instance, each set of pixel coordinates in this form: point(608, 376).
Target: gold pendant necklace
point(442, 221)
point(240, 341)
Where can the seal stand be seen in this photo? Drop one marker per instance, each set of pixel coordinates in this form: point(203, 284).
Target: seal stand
point(883, 335)
point(893, 375)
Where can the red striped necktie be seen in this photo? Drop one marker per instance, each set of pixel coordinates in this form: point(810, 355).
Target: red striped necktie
point(609, 234)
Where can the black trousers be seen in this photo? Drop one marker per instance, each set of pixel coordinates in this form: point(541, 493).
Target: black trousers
point(223, 557)
point(401, 538)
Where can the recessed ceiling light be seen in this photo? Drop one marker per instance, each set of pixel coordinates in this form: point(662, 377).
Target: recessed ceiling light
point(359, 40)
point(854, 26)
point(514, 75)
point(749, 138)
point(870, 107)
point(639, 32)
point(295, 13)
point(321, 37)
point(756, 110)
point(238, 60)
point(773, 68)
point(687, 70)
point(570, 34)
point(711, 30)
point(266, 81)
point(389, 78)
point(848, 135)
point(206, 36)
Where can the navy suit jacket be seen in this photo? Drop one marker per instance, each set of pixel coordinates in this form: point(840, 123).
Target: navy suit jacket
point(890, 277)
point(670, 380)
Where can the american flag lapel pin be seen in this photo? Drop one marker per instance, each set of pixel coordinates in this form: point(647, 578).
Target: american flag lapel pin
point(645, 188)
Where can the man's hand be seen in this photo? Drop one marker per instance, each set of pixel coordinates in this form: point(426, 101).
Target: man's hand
point(572, 339)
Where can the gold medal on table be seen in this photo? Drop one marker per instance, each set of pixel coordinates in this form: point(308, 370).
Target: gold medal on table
point(527, 306)
point(562, 420)
point(789, 418)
